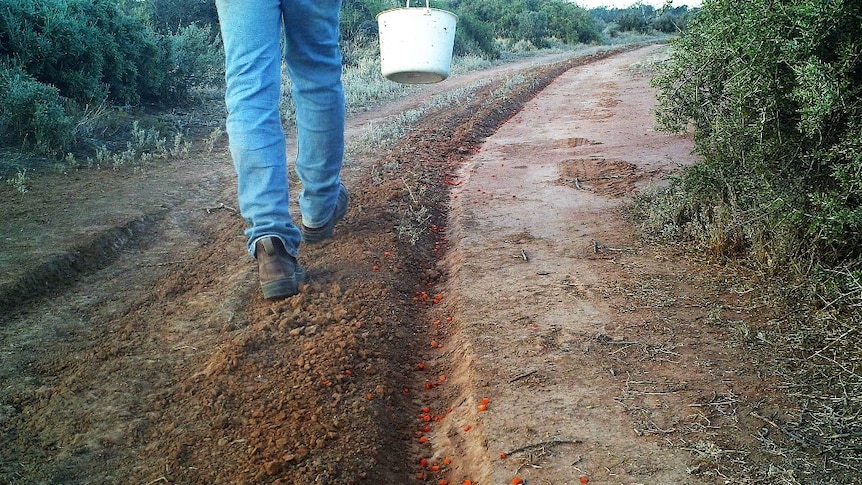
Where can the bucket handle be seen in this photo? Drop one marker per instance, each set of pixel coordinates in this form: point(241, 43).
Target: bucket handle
point(427, 6)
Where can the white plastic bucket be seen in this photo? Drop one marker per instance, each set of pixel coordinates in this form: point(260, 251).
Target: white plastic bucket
point(416, 44)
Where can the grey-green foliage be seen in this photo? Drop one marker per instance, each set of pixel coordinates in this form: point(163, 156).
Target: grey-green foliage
point(34, 114)
point(88, 49)
point(642, 18)
point(533, 26)
point(194, 60)
point(531, 20)
point(59, 57)
point(772, 91)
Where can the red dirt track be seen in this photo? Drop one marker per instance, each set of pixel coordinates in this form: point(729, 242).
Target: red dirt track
point(136, 347)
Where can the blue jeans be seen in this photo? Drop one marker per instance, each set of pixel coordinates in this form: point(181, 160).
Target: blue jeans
point(252, 32)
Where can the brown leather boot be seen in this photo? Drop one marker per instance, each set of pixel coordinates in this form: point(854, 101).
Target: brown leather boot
point(280, 274)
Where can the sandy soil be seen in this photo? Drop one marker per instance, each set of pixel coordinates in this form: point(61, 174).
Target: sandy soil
point(485, 312)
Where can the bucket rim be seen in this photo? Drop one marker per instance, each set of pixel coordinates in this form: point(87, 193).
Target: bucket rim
point(416, 8)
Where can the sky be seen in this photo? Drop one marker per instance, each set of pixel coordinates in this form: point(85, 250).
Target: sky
point(628, 3)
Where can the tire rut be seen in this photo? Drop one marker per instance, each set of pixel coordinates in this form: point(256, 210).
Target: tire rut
point(61, 270)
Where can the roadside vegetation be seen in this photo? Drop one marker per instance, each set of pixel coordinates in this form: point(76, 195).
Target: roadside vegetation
point(772, 91)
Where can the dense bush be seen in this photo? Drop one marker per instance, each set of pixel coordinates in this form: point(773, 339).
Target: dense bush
point(34, 115)
point(532, 20)
point(87, 49)
point(172, 15)
point(672, 20)
point(773, 90)
point(194, 60)
point(571, 25)
point(474, 37)
point(644, 18)
point(66, 55)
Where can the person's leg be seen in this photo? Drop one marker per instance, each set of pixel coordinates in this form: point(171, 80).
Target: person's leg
point(313, 59)
point(251, 33)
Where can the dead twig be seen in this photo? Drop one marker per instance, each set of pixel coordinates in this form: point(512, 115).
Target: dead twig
point(598, 247)
point(221, 206)
point(543, 444)
point(523, 376)
point(793, 436)
point(184, 347)
point(164, 263)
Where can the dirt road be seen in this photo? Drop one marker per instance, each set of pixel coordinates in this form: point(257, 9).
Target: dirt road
point(481, 259)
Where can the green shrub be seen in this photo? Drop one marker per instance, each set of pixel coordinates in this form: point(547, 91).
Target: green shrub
point(62, 57)
point(34, 115)
point(92, 51)
point(88, 49)
point(195, 60)
point(171, 15)
point(772, 90)
point(473, 37)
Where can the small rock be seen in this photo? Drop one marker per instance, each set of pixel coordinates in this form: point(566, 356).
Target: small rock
point(273, 468)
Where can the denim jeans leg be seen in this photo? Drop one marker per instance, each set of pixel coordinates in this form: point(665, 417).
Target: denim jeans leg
point(313, 58)
point(251, 33)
